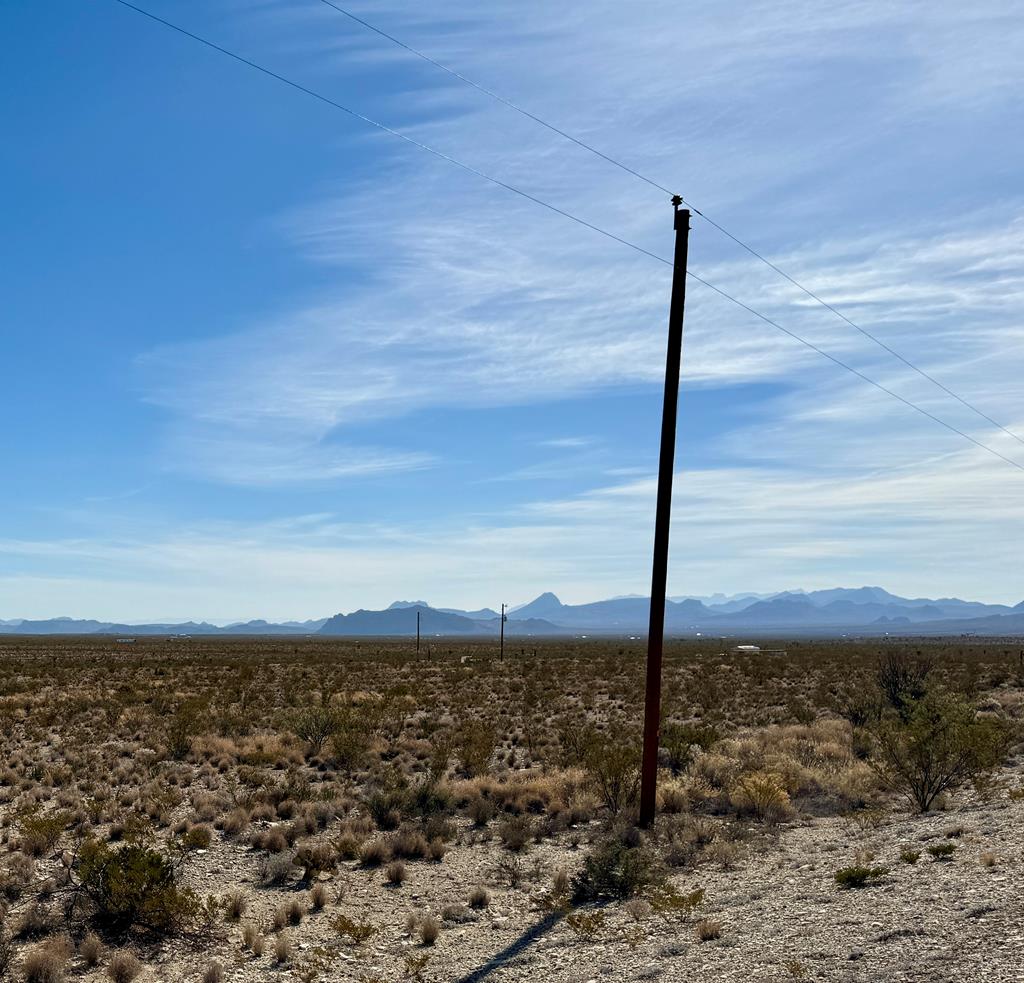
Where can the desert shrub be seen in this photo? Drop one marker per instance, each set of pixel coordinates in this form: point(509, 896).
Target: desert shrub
point(708, 929)
point(762, 795)
point(6, 953)
point(90, 949)
point(374, 853)
point(40, 831)
point(941, 851)
point(679, 740)
point(611, 759)
point(315, 725)
point(356, 933)
point(515, 833)
point(197, 838)
point(319, 896)
point(475, 741)
point(135, 885)
point(859, 876)
point(396, 873)
point(586, 924)
point(123, 967)
point(356, 723)
point(277, 869)
point(429, 929)
point(936, 747)
point(620, 866)
point(902, 681)
point(479, 897)
point(908, 855)
point(234, 905)
point(315, 859)
point(47, 962)
point(282, 947)
point(180, 731)
point(295, 911)
point(480, 810)
point(214, 973)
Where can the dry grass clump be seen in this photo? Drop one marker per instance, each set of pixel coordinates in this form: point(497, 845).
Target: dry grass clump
point(90, 949)
point(429, 929)
point(319, 896)
point(396, 873)
point(708, 929)
point(214, 973)
point(47, 962)
point(123, 967)
point(234, 905)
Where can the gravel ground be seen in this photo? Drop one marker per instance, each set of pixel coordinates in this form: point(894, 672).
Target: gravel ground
point(781, 915)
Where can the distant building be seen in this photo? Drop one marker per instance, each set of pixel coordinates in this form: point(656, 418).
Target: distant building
point(746, 649)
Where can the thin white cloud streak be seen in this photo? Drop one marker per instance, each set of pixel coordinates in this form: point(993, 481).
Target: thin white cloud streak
point(735, 529)
point(460, 296)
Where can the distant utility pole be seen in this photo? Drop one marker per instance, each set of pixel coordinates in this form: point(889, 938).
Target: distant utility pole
point(662, 521)
point(417, 631)
point(504, 618)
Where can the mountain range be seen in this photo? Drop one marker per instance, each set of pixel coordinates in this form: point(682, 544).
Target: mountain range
point(833, 612)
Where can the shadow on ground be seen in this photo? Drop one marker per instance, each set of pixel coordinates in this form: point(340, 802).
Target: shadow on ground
point(513, 949)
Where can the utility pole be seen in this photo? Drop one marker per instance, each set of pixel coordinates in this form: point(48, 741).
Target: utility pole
point(662, 521)
point(417, 631)
point(501, 655)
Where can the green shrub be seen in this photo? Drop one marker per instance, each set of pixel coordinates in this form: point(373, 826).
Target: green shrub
point(197, 838)
point(475, 742)
point(937, 746)
point(40, 831)
point(618, 868)
point(611, 758)
point(315, 725)
point(902, 681)
point(135, 886)
point(858, 876)
point(909, 855)
point(679, 740)
point(941, 851)
point(762, 795)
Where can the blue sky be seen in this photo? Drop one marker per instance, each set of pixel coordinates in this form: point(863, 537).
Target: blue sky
point(262, 360)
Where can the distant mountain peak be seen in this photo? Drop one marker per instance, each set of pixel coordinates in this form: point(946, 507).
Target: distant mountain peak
point(396, 605)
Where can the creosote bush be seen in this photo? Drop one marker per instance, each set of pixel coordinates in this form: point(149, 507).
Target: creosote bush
point(135, 885)
point(620, 866)
point(935, 745)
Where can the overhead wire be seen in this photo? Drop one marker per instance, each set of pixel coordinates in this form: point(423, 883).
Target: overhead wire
point(562, 212)
point(660, 187)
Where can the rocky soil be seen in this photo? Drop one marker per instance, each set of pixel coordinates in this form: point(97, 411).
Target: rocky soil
point(780, 913)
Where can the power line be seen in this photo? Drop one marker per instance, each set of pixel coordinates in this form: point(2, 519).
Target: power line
point(494, 95)
point(558, 211)
point(654, 184)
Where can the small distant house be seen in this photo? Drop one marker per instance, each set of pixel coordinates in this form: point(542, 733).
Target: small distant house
point(746, 649)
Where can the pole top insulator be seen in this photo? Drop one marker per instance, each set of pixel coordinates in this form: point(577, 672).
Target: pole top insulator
point(676, 201)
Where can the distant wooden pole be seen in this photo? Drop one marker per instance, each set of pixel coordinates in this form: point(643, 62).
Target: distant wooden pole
point(501, 653)
point(662, 521)
point(417, 631)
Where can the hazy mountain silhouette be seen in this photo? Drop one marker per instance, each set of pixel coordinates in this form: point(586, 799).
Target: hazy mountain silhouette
point(835, 611)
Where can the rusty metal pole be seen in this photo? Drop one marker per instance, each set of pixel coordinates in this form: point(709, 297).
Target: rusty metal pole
point(662, 522)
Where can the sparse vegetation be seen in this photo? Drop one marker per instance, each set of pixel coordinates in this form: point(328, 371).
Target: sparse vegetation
point(330, 770)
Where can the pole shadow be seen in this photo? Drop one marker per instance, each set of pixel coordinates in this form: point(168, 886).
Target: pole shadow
point(513, 949)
